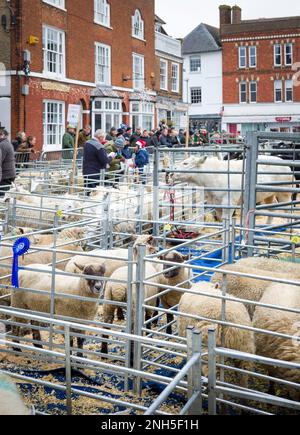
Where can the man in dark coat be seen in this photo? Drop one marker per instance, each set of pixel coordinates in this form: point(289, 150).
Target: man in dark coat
point(7, 163)
point(95, 159)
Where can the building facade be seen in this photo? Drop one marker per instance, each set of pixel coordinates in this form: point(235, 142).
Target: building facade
point(97, 53)
point(202, 80)
point(169, 74)
point(260, 58)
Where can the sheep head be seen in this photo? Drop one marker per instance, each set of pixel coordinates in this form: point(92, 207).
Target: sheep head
point(172, 272)
point(149, 241)
point(96, 284)
point(189, 164)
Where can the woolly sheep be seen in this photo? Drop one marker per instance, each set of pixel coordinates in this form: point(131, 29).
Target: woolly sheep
point(173, 276)
point(272, 265)
point(79, 286)
point(102, 257)
point(10, 399)
point(72, 234)
point(284, 323)
point(211, 308)
point(117, 292)
point(244, 287)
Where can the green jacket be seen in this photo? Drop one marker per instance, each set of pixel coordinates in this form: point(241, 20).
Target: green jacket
point(115, 165)
point(68, 141)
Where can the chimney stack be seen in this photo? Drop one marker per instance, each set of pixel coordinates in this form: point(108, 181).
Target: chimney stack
point(236, 15)
point(225, 15)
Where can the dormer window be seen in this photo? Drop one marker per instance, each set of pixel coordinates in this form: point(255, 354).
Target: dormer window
point(137, 25)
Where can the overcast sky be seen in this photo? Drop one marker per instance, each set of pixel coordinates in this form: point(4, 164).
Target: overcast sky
point(183, 16)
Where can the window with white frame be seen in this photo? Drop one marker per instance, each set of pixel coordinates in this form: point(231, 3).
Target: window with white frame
point(243, 92)
point(242, 57)
point(102, 12)
point(252, 57)
point(289, 91)
point(102, 64)
point(288, 54)
point(277, 55)
point(57, 3)
point(196, 95)
point(175, 77)
point(53, 124)
point(107, 113)
point(163, 74)
point(138, 71)
point(142, 115)
point(278, 91)
point(137, 25)
point(195, 64)
point(253, 92)
point(54, 51)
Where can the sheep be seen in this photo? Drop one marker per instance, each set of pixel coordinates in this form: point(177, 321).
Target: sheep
point(71, 234)
point(10, 399)
point(243, 287)
point(101, 256)
point(211, 308)
point(173, 276)
point(35, 256)
point(220, 180)
point(284, 323)
point(117, 292)
point(64, 285)
point(271, 265)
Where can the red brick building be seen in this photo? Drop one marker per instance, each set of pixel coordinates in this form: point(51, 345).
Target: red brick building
point(97, 53)
point(259, 62)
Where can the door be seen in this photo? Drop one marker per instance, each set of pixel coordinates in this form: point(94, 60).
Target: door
point(233, 128)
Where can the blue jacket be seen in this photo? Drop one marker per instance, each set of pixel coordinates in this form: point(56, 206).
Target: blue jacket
point(127, 153)
point(95, 158)
point(141, 158)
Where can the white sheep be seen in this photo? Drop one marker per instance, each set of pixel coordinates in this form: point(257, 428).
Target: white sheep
point(64, 285)
point(269, 174)
point(10, 399)
point(278, 321)
point(243, 287)
point(211, 308)
point(173, 276)
point(271, 265)
point(117, 292)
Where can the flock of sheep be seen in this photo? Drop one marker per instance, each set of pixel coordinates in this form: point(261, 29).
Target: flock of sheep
point(82, 279)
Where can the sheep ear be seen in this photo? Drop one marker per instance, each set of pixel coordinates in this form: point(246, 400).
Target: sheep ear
point(217, 286)
point(202, 160)
point(21, 231)
point(79, 266)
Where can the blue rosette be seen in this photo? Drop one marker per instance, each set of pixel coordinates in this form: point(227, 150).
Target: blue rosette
point(20, 248)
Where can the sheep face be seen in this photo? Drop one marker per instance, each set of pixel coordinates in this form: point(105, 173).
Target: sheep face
point(189, 164)
point(172, 257)
point(149, 241)
point(96, 286)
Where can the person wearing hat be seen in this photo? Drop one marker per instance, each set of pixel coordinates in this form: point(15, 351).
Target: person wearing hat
point(128, 133)
point(112, 134)
point(68, 142)
point(141, 159)
point(115, 165)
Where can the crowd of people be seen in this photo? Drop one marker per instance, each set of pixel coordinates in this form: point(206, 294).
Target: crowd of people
point(117, 151)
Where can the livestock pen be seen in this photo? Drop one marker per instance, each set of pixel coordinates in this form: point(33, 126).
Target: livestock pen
point(190, 361)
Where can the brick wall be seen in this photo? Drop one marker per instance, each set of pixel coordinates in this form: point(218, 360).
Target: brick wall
point(265, 72)
point(81, 34)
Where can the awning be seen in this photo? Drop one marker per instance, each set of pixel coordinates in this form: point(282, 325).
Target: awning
point(106, 93)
